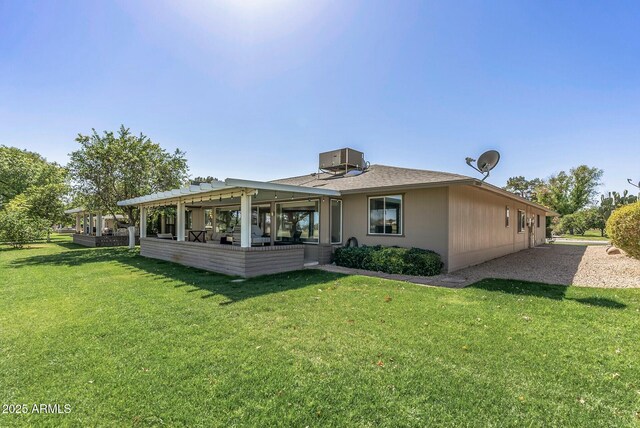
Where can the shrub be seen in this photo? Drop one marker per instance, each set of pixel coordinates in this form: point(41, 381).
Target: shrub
point(407, 261)
point(17, 229)
point(623, 227)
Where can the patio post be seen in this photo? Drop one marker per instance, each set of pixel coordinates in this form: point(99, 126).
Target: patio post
point(143, 222)
point(99, 224)
point(274, 227)
point(78, 227)
point(85, 224)
point(90, 223)
point(180, 221)
point(245, 220)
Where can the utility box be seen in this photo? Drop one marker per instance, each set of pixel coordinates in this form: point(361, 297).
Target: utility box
point(341, 160)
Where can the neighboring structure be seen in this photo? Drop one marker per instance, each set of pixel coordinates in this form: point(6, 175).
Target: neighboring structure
point(96, 230)
point(286, 223)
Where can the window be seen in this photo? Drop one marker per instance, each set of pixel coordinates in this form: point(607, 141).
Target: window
point(208, 218)
point(538, 220)
point(507, 217)
point(521, 221)
point(188, 220)
point(385, 215)
point(227, 218)
point(298, 221)
point(336, 221)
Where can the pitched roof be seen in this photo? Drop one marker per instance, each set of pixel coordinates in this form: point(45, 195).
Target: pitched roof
point(374, 177)
point(391, 177)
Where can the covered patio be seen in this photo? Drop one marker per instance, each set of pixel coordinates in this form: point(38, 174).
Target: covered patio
point(93, 229)
point(239, 227)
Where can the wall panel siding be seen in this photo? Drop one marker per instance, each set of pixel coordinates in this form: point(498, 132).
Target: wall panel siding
point(226, 259)
point(425, 220)
point(477, 226)
point(102, 241)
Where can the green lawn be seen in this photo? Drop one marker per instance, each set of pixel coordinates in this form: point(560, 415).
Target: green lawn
point(128, 341)
point(590, 235)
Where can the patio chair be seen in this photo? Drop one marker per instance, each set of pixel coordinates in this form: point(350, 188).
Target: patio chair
point(165, 236)
point(256, 236)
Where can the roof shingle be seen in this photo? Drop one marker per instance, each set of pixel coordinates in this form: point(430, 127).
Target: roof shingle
point(376, 176)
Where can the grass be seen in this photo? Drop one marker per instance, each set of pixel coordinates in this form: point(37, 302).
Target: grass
point(128, 341)
point(590, 235)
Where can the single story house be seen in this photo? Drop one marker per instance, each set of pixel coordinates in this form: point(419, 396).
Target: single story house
point(249, 228)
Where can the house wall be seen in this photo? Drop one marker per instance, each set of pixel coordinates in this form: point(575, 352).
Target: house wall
point(477, 226)
point(425, 218)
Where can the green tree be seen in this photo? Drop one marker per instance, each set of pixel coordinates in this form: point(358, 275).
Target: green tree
point(20, 170)
point(17, 228)
point(568, 193)
point(46, 202)
point(116, 166)
point(207, 179)
point(527, 189)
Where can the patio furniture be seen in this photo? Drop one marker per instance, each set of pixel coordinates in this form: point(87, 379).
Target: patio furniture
point(198, 235)
point(165, 236)
point(257, 237)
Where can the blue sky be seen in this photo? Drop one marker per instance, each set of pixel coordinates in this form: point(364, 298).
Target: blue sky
point(256, 88)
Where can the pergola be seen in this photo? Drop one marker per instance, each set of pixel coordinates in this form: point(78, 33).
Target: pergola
point(231, 189)
point(84, 220)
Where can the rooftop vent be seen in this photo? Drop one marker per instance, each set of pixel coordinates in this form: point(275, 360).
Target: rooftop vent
point(342, 161)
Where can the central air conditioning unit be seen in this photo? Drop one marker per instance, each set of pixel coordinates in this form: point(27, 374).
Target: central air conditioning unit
point(341, 161)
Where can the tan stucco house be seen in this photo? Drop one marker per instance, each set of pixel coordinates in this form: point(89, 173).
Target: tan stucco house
point(249, 228)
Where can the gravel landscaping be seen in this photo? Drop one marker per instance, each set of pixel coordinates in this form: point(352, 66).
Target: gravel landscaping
point(579, 265)
point(586, 266)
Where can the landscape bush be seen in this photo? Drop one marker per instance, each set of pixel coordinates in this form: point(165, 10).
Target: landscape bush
point(17, 229)
point(623, 227)
point(407, 261)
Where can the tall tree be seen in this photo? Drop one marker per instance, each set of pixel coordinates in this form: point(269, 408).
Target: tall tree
point(568, 193)
point(519, 185)
point(116, 166)
point(208, 179)
point(20, 170)
point(585, 182)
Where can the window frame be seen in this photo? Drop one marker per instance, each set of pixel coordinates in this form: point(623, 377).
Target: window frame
point(507, 214)
point(331, 200)
point(188, 219)
point(401, 217)
point(318, 202)
point(522, 221)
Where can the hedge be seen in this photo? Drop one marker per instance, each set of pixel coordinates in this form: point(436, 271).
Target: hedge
point(407, 261)
point(623, 227)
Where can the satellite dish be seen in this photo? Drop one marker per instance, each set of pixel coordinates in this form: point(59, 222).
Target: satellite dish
point(486, 162)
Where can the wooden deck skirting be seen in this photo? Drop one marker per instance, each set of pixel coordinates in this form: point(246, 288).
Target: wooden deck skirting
point(226, 259)
point(101, 241)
